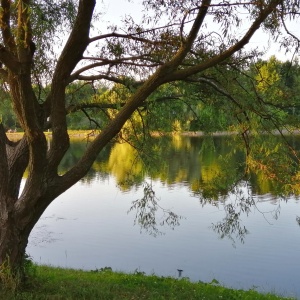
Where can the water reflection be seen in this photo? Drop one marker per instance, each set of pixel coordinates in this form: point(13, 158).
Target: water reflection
point(148, 211)
point(215, 169)
point(209, 166)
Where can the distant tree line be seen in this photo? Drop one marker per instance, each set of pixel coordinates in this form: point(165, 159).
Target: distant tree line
point(269, 88)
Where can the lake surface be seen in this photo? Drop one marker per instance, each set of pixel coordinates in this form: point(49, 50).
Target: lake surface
point(243, 235)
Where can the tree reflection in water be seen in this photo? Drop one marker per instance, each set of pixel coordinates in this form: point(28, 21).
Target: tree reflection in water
point(148, 211)
point(218, 170)
point(239, 202)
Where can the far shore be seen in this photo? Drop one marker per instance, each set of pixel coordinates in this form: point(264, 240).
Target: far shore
point(92, 133)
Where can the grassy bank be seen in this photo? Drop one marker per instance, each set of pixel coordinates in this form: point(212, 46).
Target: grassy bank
point(55, 283)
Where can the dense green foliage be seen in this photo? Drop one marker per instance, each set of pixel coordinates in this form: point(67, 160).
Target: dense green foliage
point(55, 283)
point(259, 95)
point(263, 95)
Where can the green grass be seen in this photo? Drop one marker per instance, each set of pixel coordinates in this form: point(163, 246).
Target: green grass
point(56, 283)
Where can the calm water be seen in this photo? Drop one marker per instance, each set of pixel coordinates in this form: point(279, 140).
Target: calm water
point(257, 246)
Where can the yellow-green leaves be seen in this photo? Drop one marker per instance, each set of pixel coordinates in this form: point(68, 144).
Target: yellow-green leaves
point(267, 74)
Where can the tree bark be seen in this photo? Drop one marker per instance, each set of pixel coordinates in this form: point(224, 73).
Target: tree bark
point(13, 241)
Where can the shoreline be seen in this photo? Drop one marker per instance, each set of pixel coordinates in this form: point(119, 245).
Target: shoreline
point(92, 133)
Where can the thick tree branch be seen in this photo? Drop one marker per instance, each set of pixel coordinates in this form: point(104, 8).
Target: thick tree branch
point(24, 32)
point(182, 74)
point(77, 42)
point(69, 58)
point(188, 42)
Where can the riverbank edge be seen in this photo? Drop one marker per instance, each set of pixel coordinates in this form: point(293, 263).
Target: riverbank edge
point(86, 134)
point(47, 282)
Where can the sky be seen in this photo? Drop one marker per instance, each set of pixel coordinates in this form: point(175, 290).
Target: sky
point(115, 10)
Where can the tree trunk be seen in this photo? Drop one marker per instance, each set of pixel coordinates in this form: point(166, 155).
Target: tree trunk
point(14, 234)
point(13, 242)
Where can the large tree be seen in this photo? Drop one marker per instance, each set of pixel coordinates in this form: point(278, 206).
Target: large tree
point(178, 40)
